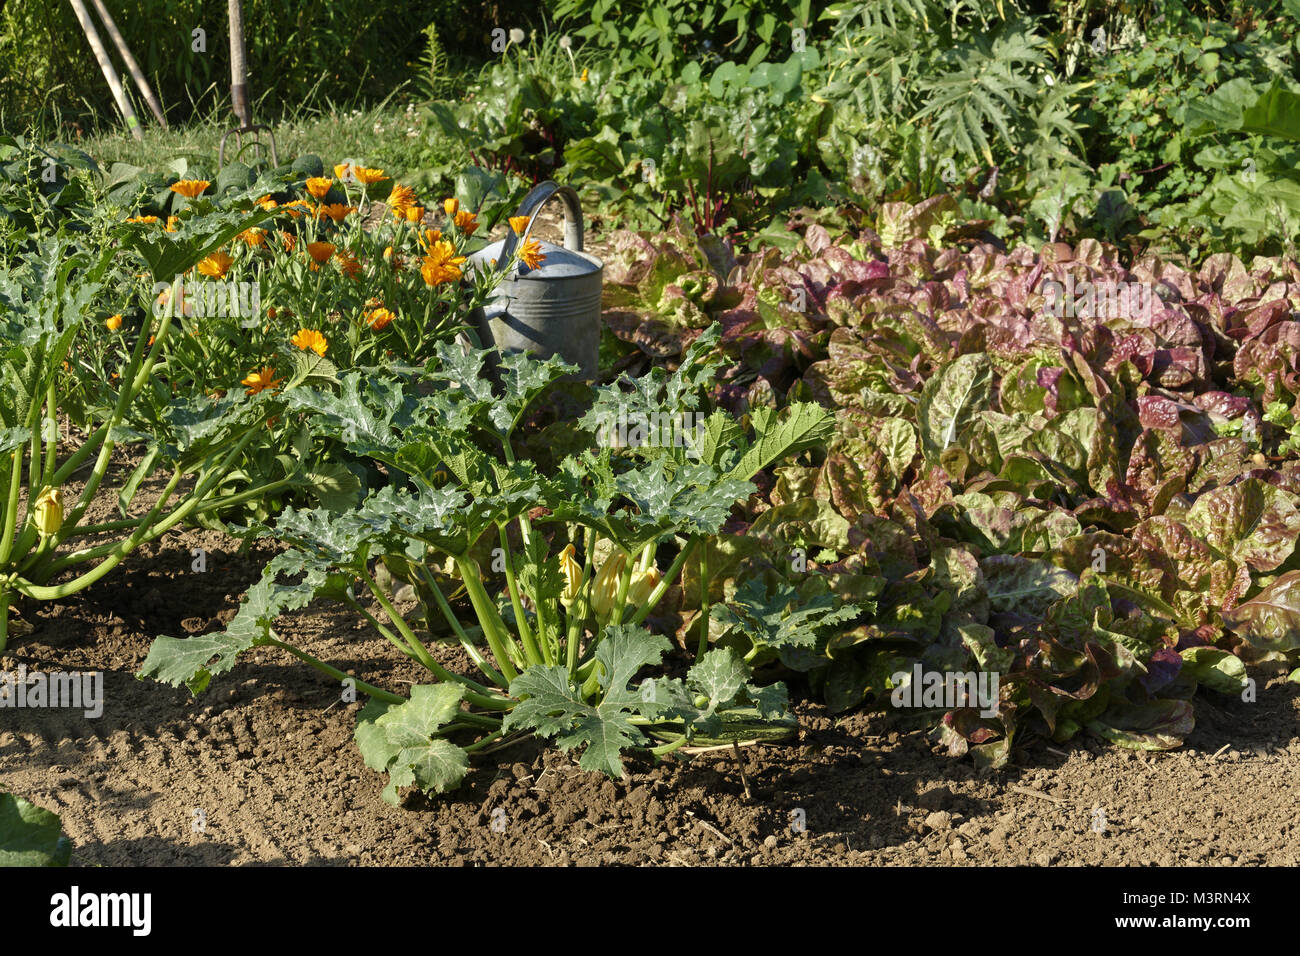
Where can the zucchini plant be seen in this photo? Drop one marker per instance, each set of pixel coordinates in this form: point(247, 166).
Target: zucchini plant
point(580, 557)
point(46, 305)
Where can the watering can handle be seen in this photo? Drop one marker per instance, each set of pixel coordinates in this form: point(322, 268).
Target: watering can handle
point(533, 203)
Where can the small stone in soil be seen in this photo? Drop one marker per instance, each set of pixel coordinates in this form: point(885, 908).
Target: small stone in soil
point(939, 820)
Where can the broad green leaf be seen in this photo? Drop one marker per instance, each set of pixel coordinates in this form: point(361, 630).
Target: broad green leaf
point(1270, 620)
point(1218, 670)
point(1275, 113)
point(552, 705)
point(897, 439)
point(30, 835)
point(778, 617)
point(950, 400)
point(1159, 725)
point(1025, 585)
point(422, 760)
point(780, 436)
point(1252, 521)
point(194, 661)
point(376, 749)
point(719, 674)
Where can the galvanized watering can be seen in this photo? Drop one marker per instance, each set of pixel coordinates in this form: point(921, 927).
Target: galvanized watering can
point(555, 308)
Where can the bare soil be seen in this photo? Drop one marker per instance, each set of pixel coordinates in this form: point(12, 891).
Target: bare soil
point(261, 769)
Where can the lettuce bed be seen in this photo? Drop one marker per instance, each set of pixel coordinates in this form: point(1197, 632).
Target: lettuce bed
point(1096, 501)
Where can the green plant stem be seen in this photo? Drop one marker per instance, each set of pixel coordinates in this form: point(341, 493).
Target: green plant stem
point(475, 693)
point(79, 457)
point(216, 504)
point(703, 647)
point(664, 749)
point(532, 652)
point(34, 470)
point(90, 529)
point(379, 626)
point(484, 741)
point(525, 526)
point(445, 607)
point(137, 372)
point(489, 619)
point(620, 601)
point(150, 527)
point(665, 582)
point(51, 442)
point(148, 530)
point(119, 551)
point(11, 507)
point(375, 692)
point(575, 620)
point(89, 554)
point(405, 648)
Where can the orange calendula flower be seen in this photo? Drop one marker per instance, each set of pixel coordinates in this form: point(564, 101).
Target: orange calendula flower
point(216, 265)
point(310, 340)
point(113, 322)
point(296, 207)
point(349, 264)
point(267, 203)
point(367, 176)
point(466, 221)
point(430, 237)
point(379, 319)
point(319, 186)
point(519, 224)
point(145, 220)
point(320, 251)
point(337, 211)
point(288, 240)
point(451, 206)
point(253, 236)
point(441, 264)
point(262, 379)
point(531, 254)
point(172, 223)
point(415, 215)
point(400, 200)
point(190, 188)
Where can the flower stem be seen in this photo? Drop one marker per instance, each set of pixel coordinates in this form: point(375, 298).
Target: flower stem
point(665, 582)
point(703, 647)
point(493, 627)
point(375, 692)
point(479, 660)
point(581, 604)
point(475, 693)
point(531, 651)
point(620, 602)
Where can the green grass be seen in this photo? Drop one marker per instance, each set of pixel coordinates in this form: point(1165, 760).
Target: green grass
point(379, 135)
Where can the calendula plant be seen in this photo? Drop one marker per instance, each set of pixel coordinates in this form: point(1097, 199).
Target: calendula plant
point(311, 282)
point(49, 549)
point(557, 634)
